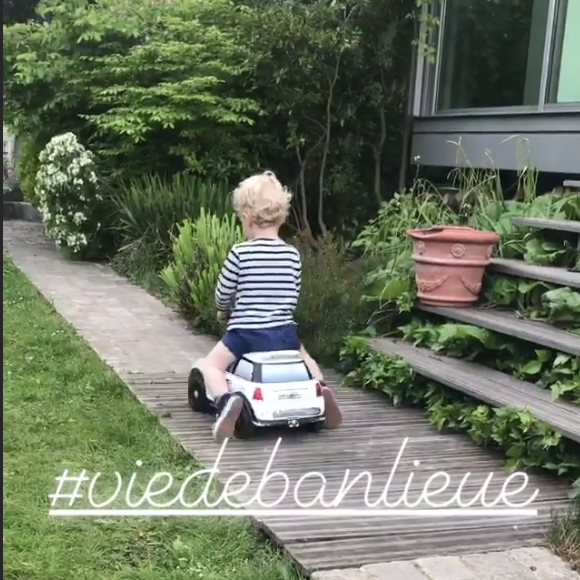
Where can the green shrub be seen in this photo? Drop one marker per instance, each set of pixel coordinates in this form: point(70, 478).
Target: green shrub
point(27, 165)
point(147, 210)
point(68, 193)
point(199, 251)
point(331, 304)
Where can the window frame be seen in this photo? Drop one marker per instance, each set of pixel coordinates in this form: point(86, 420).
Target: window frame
point(555, 57)
point(252, 373)
point(428, 74)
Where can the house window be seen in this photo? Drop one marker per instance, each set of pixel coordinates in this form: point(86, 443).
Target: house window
point(492, 53)
point(565, 73)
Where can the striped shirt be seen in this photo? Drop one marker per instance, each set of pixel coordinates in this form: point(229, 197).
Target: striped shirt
point(261, 279)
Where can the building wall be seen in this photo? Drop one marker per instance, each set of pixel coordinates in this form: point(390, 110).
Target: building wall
point(548, 141)
point(508, 104)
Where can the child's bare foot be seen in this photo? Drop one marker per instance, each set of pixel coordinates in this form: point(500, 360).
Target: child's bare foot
point(332, 411)
point(229, 409)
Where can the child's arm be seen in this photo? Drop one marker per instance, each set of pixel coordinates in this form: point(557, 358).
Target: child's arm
point(227, 282)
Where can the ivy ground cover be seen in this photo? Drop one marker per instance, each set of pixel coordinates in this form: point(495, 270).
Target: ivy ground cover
point(64, 409)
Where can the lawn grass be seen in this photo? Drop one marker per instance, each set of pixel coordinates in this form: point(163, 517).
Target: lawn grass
point(63, 408)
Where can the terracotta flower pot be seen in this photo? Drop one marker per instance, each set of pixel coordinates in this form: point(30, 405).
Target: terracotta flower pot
point(450, 262)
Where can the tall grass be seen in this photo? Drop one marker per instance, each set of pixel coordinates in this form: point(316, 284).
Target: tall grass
point(564, 534)
point(147, 211)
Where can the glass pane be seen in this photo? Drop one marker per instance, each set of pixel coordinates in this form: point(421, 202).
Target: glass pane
point(565, 79)
point(492, 53)
point(244, 370)
point(288, 373)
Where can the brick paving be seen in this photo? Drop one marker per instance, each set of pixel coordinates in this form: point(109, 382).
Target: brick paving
point(135, 333)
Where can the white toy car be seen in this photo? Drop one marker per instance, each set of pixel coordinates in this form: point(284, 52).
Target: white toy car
point(277, 388)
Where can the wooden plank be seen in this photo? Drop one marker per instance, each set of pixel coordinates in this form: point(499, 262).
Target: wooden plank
point(490, 386)
point(572, 184)
point(571, 226)
point(368, 550)
point(521, 269)
point(369, 441)
point(510, 324)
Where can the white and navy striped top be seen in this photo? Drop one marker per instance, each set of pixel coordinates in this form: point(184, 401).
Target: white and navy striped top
point(261, 278)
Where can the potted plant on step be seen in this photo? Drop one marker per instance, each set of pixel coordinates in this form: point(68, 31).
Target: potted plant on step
point(450, 262)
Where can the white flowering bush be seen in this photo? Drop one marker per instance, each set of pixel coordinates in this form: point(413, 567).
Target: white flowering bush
point(67, 190)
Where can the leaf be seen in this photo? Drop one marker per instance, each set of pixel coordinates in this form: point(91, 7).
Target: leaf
point(533, 367)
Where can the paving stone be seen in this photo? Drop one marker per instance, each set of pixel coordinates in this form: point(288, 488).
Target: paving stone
point(494, 564)
point(349, 574)
point(543, 564)
point(395, 571)
point(509, 576)
point(446, 568)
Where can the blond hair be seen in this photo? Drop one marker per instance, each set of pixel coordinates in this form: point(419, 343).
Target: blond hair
point(262, 199)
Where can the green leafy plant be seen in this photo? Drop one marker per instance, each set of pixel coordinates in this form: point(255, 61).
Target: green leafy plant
point(206, 86)
point(528, 443)
point(559, 306)
point(558, 372)
point(331, 304)
point(199, 251)
point(536, 247)
point(147, 209)
point(27, 164)
point(68, 192)
point(391, 285)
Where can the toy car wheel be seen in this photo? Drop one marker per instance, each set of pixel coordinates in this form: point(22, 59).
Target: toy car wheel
point(245, 429)
point(196, 394)
point(316, 427)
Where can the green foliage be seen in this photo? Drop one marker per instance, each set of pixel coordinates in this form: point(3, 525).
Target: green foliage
point(543, 247)
point(199, 251)
point(207, 86)
point(27, 164)
point(549, 369)
point(385, 239)
point(143, 83)
point(559, 306)
point(330, 303)
point(69, 196)
point(528, 443)
point(147, 210)
point(390, 286)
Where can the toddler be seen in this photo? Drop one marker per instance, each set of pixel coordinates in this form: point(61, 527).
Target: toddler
point(258, 292)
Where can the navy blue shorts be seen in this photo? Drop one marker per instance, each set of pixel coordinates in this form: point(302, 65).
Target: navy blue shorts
point(241, 341)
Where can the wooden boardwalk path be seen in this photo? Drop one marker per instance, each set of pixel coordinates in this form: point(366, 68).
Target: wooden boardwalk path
point(370, 440)
point(152, 350)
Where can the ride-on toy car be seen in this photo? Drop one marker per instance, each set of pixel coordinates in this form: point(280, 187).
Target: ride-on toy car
point(276, 387)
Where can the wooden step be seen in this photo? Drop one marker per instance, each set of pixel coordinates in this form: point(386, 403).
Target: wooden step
point(572, 184)
point(509, 323)
point(521, 269)
point(547, 224)
point(487, 385)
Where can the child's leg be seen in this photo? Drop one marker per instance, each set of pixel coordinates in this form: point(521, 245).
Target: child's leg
point(229, 405)
point(311, 364)
point(332, 409)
